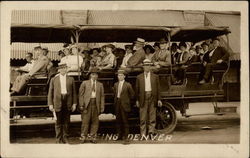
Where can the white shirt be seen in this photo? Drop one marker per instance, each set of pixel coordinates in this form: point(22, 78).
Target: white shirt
point(28, 66)
point(71, 62)
point(93, 93)
point(63, 84)
point(212, 52)
point(148, 82)
point(125, 59)
point(119, 88)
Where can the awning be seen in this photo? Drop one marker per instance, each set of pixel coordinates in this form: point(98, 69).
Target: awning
point(196, 34)
point(19, 50)
point(233, 22)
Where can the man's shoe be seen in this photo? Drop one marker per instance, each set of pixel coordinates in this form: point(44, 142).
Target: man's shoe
point(126, 142)
point(93, 140)
point(82, 139)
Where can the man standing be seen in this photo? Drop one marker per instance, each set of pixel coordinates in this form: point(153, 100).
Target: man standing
point(91, 104)
point(62, 99)
point(218, 55)
point(137, 58)
point(123, 94)
point(148, 97)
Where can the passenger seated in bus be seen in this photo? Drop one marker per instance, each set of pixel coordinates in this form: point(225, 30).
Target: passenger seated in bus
point(95, 58)
point(196, 54)
point(205, 48)
point(86, 58)
point(162, 57)
point(181, 58)
point(128, 54)
point(149, 52)
point(139, 55)
point(72, 59)
point(119, 54)
point(40, 66)
point(174, 50)
point(23, 69)
point(218, 55)
point(108, 60)
point(45, 53)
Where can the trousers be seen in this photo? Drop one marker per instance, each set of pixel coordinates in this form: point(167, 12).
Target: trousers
point(62, 122)
point(147, 115)
point(90, 120)
point(122, 124)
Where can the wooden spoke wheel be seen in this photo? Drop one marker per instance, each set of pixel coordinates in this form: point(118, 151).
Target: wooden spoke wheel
point(166, 118)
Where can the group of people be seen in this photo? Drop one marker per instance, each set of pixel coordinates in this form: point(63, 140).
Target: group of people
point(62, 100)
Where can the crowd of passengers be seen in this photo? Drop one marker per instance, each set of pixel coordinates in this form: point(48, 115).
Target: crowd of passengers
point(107, 57)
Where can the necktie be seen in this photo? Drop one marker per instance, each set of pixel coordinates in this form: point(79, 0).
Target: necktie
point(179, 57)
point(93, 87)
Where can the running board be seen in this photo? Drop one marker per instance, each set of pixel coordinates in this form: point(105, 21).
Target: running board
point(220, 114)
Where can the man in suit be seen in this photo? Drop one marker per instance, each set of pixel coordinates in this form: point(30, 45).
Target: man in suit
point(148, 98)
point(137, 58)
point(62, 100)
point(123, 93)
point(91, 105)
point(39, 67)
point(218, 55)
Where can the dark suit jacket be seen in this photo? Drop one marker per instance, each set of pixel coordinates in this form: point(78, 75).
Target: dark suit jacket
point(140, 88)
point(54, 95)
point(85, 95)
point(137, 58)
point(219, 53)
point(185, 57)
point(126, 95)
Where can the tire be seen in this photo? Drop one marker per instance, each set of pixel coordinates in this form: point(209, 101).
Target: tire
point(166, 118)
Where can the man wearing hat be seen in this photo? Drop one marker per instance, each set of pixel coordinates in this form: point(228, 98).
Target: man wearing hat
point(137, 58)
point(148, 98)
point(163, 56)
point(205, 48)
point(62, 99)
point(108, 61)
point(128, 54)
point(123, 93)
point(218, 55)
point(91, 105)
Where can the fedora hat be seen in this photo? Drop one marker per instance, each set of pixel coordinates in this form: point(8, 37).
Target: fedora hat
point(61, 65)
point(162, 41)
point(147, 62)
point(121, 71)
point(216, 38)
point(110, 46)
point(204, 43)
point(94, 70)
point(183, 44)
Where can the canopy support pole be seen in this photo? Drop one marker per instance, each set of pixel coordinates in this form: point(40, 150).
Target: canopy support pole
point(77, 35)
point(170, 50)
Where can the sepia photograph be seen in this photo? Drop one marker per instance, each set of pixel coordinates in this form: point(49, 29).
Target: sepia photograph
point(102, 78)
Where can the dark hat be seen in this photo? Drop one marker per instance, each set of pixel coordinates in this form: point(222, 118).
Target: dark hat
point(29, 54)
point(94, 70)
point(121, 71)
point(61, 65)
point(216, 38)
point(37, 47)
point(150, 47)
point(198, 47)
point(174, 45)
point(183, 44)
point(60, 52)
point(140, 41)
point(110, 46)
point(129, 46)
point(156, 44)
point(66, 45)
point(163, 40)
point(147, 62)
point(204, 43)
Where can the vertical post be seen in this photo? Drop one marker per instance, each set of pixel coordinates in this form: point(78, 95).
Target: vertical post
point(77, 40)
point(169, 45)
